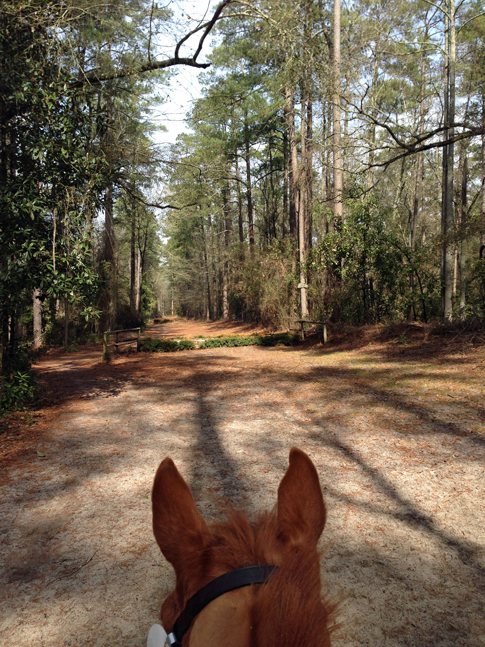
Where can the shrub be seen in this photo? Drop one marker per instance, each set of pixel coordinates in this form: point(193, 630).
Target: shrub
point(186, 344)
point(285, 339)
point(19, 389)
point(150, 345)
point(231, 342)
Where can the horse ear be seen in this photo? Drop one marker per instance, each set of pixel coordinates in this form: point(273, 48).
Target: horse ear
point(178, 526)
point(301, 509)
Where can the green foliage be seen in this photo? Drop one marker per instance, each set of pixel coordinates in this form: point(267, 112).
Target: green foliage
point(150, 345)
point(371, 276)
point(281, 339)
point(231, 341)
point(17, 391)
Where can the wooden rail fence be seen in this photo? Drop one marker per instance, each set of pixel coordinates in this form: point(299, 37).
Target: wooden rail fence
point(302, 323)
point(120, 342)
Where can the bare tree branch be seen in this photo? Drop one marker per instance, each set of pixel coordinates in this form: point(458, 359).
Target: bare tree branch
point(93, 78)
point(136, 196)
point(415, 148)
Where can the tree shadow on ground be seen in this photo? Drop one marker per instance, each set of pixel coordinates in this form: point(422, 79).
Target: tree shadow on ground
point(351, 564)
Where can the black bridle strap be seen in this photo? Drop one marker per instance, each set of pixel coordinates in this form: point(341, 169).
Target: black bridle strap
point(223, 584)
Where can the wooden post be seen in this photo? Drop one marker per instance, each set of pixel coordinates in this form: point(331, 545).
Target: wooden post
point(324, 333)
point(105, 344)
point(302, 330)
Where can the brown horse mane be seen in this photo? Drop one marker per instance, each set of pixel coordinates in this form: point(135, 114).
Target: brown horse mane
point(288, 611)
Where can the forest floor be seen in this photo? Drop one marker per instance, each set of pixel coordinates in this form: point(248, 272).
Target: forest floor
point(394, 421)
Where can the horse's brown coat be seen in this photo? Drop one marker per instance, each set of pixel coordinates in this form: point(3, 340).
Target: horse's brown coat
point(288, 610)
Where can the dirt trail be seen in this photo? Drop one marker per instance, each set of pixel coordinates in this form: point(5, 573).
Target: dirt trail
point(398, 438)
point(175, 327)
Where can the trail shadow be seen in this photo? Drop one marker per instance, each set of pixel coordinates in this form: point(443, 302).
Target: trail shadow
point(79, 376)
point(408, 613)
point(213, 453)
point(399, 403)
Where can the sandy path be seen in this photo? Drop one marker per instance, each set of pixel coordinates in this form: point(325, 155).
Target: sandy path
point(398, 442)
point(178, 327)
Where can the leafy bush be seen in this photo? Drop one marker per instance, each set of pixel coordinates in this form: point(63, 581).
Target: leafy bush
point(362, 272)
point(186, 344)
point(285, 339)
point(150, 345)
point(21, 388)
point(231, 342)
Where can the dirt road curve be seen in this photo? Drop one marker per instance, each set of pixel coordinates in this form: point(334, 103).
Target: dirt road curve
point(397, 435)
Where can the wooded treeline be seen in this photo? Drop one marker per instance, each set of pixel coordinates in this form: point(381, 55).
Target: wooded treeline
point(79, 243)
point(334, 168)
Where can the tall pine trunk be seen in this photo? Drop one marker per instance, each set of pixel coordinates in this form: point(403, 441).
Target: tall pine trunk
point(249, 195)
point(239, 201)
point(464, 214)
point(303, 208)
point(133, 263)
point(337, 150)
point(37, 318)
point(227, 241)
point(294, 173)
point(482, 237)
point(448, 165)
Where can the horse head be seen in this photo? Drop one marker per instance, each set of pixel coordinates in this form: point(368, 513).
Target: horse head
point(284, 607)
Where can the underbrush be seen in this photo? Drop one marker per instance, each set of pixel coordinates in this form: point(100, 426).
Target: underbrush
point(17, 391)
point(19, 383)
point(150, 345)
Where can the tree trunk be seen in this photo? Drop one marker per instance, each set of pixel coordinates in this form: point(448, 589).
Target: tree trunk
point(239, 202)
point(5, 342)
point(214, 272)
point(108, 257)
point(37, 318)
point(483, 172)
point(285, 183)
point(419, 165)
point(464, 207)
point(294, 173)
point(227, 242)
point(249, 196)
point(372, 149)
point(448, 164)
point(345, 164)
point(302, 212)
point(309, 175)
point(207, 272)
point(138, 281)
point(66, 322)
point(337, 150)
point(133, 290)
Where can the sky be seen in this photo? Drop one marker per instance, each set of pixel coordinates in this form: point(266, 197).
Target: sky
point(184, 86)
